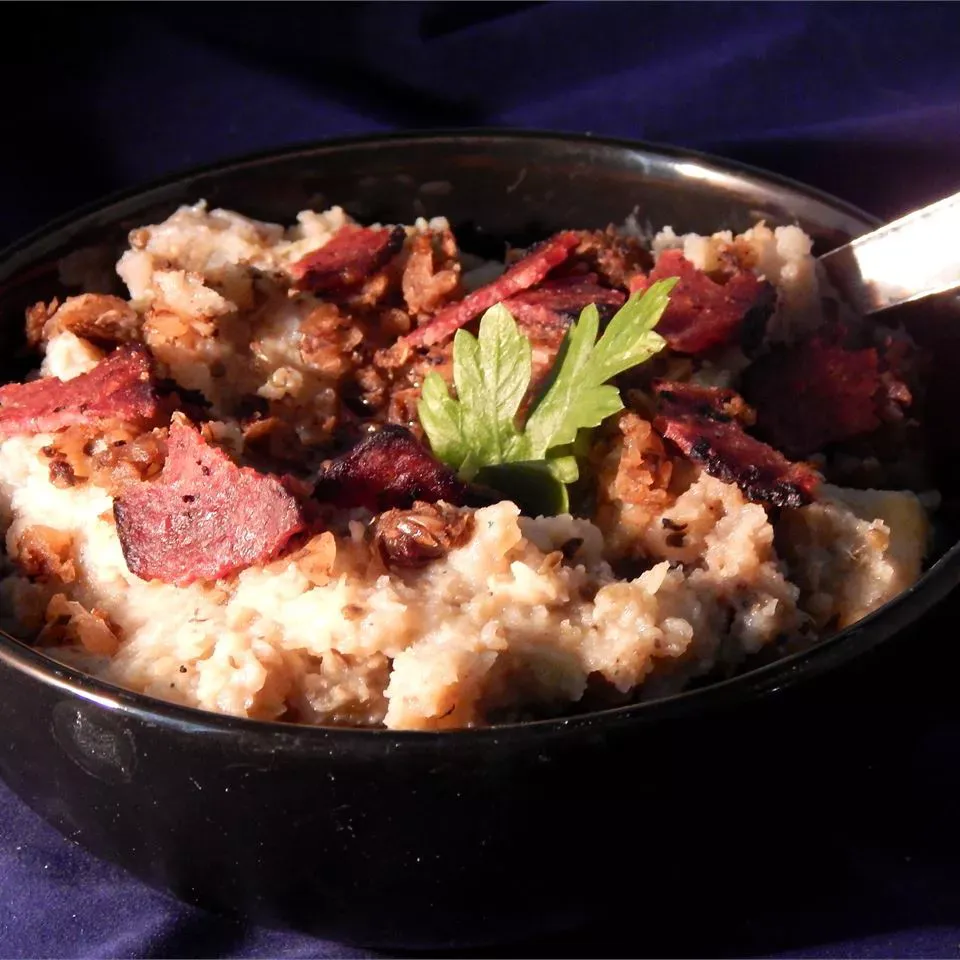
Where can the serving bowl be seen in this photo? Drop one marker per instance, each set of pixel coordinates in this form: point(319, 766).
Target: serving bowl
point(418, 840)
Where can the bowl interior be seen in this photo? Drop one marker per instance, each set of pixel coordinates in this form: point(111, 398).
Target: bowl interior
point(494, 188)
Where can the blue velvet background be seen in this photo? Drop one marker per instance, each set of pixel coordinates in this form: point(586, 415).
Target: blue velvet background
point(859, 99)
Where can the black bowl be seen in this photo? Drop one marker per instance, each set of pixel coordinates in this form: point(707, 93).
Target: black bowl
point(433, 840)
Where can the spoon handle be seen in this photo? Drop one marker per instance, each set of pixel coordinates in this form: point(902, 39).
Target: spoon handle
point(908, 259)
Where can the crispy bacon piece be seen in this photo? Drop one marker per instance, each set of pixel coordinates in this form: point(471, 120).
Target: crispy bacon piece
point(525, 273)
point(706, 424)
point(205, 517)
point(555, 302)
point(120, 387)
point(349, 258)
point(703, 313)
point(389, 468)
point(817, 393)
point(711, 402)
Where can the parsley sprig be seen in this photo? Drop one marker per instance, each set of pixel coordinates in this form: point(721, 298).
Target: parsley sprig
point(477, 433)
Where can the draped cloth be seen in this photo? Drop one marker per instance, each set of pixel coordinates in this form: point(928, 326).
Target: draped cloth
point(858, 99)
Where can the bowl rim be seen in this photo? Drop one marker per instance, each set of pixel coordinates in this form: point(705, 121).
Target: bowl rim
point(103, 203)
point(900, 612)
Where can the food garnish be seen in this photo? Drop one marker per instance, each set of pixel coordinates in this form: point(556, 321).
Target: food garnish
point(477, 433)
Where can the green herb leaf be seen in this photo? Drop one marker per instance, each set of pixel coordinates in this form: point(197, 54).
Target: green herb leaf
point(554, 421)
point(564, 468)
point(533, 485)
point(491, 375)
point(477, 434)
point(629, 339)
point(506, 358)
point(579, 397)
point(441, 417)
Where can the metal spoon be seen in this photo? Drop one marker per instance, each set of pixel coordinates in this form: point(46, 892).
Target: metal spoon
point(908, 259)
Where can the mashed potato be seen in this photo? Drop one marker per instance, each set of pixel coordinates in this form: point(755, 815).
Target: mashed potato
point(531, 616)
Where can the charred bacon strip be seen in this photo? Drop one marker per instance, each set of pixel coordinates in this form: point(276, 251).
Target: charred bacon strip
point(816, 393)
point(388, 469)
point(703, 313)
point(714, 403)
point(525, 273)
point(120, 387)
point(557, 302)
point(706, 424)
point(204, 517)
point(349, 258)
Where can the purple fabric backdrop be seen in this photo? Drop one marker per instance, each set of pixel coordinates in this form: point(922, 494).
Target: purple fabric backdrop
point(859, 99)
